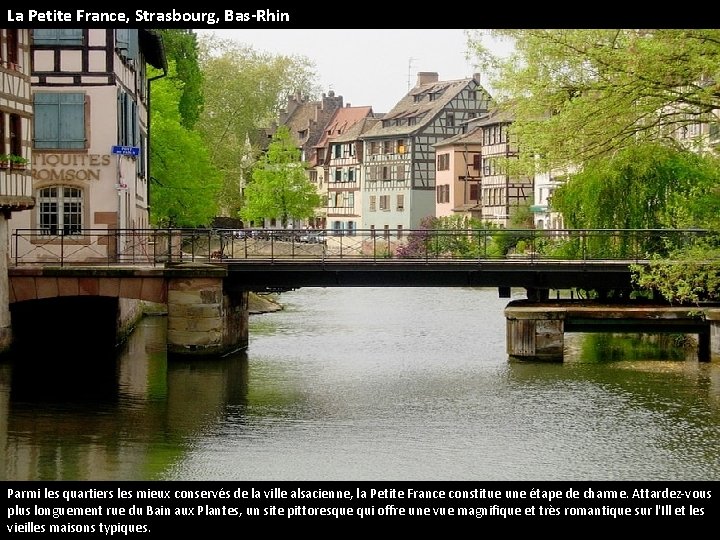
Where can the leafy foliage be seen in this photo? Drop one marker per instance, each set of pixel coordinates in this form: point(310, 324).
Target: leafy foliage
point(646, 186)
point(690, 276)
point(280, 188)
point(184, 182)
point(244, 90)
point(577, 94)
point(438, 237)
point(181, 48)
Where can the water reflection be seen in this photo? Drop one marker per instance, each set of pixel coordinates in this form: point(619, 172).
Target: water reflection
point(363, 384)
point(124, 415)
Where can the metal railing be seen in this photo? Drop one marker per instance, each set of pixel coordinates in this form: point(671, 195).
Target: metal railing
point(163, 246)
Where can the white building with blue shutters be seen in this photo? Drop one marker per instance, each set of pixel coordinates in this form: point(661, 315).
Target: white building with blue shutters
point(90, 132)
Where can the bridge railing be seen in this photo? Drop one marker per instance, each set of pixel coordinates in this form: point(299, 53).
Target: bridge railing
point(62, 246)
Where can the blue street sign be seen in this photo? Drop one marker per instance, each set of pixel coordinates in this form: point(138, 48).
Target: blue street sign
point(126, 150)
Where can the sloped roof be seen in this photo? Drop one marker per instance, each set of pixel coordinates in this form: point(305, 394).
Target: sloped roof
point(358, 129)
point(418, 104)
point(302, 117)
point(473, 136)
point(343, 120)
point(495, 116)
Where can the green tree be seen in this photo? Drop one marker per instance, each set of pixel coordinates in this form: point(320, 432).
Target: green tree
point(644, 186)
point(578, 94)
point(184, 181)
point(691, 276)
point(244, 91)
point(279, 188)
point(181, 49)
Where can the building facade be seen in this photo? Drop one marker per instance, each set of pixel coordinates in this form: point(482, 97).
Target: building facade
point(502, 192)
point(458, 177)
point(90, 132)
point(338, 163)
point(399, 153)
point(16, 113)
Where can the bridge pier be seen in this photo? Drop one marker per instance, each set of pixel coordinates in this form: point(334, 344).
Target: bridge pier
point(535, 331)
point(713, 315)
point(203, 318)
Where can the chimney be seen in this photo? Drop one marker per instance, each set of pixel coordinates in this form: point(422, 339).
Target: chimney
point(425, 77)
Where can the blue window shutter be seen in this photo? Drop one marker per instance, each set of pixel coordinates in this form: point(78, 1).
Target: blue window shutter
point(46, 119)
point(59, 120)
point(122, 41)
point(128, 120)
point(72, 121)
point(118, 114)
point(134, 121)
point(133, 44)
point(57, 36)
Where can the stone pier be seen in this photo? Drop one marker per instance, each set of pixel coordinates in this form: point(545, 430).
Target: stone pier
point(203, 320)
point(535, 331)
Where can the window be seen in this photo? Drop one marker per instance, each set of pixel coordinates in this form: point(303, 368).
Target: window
point(474, 192)
point(127, 120)
point(15, 135)
point(59, 120)
point(714, 131)
point(337, 150)
point(401, 146)
point(11, 58)
point(385, 202)
point(60, 210)
point(488, 167)
point(385, 173)
point(400, 172)
point(476, 160)
point(400, 202)
point(373, 199)
point(388, 147)
point(443, 162)
point(442, 193)
point(57, 36)
point(338, 175)
point(450, 119)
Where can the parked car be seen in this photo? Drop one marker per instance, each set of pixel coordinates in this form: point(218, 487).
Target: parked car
point(313, 237)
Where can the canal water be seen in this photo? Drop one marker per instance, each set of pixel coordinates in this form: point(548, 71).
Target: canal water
point(363, 384)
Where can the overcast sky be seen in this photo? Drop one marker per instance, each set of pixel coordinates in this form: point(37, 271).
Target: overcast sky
point(366, 67)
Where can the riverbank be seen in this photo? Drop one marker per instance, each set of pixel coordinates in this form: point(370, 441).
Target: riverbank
point(263, 303)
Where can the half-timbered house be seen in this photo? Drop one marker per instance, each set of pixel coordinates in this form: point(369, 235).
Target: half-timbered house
point(399, 164)
point(338, 160)
point(90, 96)
point(16, 113)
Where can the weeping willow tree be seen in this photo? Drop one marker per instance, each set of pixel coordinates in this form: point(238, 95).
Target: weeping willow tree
point(645, 186)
